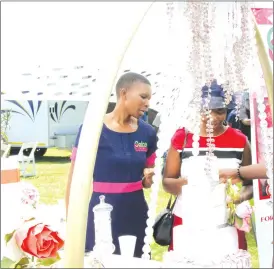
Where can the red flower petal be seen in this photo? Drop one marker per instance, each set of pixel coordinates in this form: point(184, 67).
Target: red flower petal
point(57, 238)
point(46, 252)
point(53, 253)
point(45, 245)
point(39, 228)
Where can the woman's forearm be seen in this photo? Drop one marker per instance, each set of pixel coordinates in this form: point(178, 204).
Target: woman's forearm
point(174, 185)
point(253, 171)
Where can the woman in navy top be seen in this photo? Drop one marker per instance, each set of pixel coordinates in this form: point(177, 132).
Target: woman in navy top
point(126, 151)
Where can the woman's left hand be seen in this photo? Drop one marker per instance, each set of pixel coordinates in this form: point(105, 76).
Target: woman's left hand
point(147, 179)
point(225, 174)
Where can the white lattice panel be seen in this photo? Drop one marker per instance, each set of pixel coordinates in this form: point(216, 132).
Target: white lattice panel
point(79, 82)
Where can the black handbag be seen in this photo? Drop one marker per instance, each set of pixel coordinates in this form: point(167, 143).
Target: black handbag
point(163, 225)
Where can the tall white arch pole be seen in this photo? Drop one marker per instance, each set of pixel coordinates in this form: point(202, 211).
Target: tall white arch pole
point(265, 64)
point(83, 172)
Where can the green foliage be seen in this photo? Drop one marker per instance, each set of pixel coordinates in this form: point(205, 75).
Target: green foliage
point(239, 221)
point(231, 207)
point(6, 263)
point(231, 213)
point(23, 263)
point(9, 236)
point(48, 261)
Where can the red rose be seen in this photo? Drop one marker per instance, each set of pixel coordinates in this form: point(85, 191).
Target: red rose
point(38, 240)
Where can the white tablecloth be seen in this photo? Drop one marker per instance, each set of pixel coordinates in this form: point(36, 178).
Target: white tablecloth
point(118, 261)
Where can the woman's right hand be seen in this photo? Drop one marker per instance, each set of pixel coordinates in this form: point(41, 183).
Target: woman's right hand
point(181, 182)
point(147, 179)
point(174, 185)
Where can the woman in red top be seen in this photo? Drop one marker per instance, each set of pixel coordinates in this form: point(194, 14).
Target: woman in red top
point(231, 149)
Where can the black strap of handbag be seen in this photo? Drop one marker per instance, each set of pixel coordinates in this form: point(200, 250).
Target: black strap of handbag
point(169, 206)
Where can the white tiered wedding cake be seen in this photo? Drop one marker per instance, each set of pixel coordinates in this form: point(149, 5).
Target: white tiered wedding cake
point(205, 239)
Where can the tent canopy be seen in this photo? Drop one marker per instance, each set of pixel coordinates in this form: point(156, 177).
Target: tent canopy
point(49, 58)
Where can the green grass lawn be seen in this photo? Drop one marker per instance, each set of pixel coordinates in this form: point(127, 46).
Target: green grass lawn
point(52, 171)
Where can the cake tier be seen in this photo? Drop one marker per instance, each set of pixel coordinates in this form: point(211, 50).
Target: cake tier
point(203, 199)
point(240, 259)
point(205, 246)
point(203, 204)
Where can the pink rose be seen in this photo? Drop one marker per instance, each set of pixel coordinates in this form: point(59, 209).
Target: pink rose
point(246, 227)
point(244, 210)
point(30, 195)
point(38, 240)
